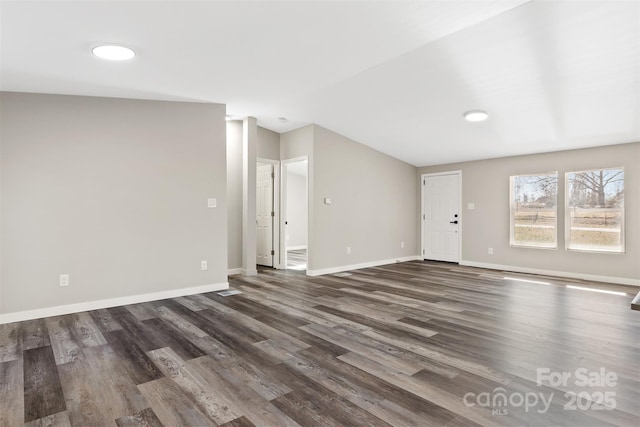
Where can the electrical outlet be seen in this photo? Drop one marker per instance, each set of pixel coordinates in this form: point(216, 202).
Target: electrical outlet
point(490, 251)
point(212, 203)
point(64, 280)
point(402, 245)
point(348, 250)
point(203, 265)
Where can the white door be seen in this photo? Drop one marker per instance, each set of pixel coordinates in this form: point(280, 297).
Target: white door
point(441, 217)
point(264, 215)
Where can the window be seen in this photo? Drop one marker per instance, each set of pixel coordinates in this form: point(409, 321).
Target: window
point(534, 205)
point(595, 210)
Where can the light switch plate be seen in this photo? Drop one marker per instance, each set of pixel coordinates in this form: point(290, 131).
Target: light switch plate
point(212, 203)
point(471, 206)
point(63, 280)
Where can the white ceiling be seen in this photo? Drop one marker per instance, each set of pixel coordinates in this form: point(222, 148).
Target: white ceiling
point(394, 75)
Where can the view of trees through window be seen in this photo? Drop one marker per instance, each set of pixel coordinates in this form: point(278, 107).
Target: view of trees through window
point(595, 208)
point(534, 210)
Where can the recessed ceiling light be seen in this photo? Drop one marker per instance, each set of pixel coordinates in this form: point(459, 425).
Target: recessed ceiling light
point(113, 52)
point(282, 119)
point(476, 116)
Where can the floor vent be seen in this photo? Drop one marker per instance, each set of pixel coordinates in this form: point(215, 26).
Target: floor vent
point(228, 293)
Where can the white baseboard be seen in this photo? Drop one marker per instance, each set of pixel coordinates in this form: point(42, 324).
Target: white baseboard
point(59, 310)
point(232, 271)
point(296, 248)
point(567, 274)
point(341, 268)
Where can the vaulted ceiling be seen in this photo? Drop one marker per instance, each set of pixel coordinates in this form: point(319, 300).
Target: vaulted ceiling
point(394, 75)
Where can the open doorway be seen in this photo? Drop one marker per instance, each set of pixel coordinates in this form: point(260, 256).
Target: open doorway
point(295, 213)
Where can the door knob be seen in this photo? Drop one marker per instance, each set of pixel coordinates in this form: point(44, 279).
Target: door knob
point(453, 222)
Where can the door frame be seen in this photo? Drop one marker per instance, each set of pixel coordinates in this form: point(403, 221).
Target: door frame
point(283, 201)
point(276, 209)
point(423, 177)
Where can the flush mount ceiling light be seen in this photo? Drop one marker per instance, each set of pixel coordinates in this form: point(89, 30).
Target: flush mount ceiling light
point(282, 119)
point(476, 116)
point(113, 52)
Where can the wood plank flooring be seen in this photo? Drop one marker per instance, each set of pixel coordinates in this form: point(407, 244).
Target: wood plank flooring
point(411, 344)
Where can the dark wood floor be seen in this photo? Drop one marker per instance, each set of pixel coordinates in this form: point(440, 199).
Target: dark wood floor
point(405, 344)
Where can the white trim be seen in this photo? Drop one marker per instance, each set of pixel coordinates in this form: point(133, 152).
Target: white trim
point(19, 316)
point(341, 268)
point(232, 271)
point(566, 274)
point(460, 215)
point(249, 272)
point(296, 248)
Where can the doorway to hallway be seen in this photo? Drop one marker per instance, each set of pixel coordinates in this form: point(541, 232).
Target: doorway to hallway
point(295, 213)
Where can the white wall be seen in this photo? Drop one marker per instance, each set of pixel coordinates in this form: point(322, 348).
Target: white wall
point(486, 184)
point(234, 194)
point(268, 144)
point(111, 191)
point(297, 143)
point(297, 211)
point(374, 200)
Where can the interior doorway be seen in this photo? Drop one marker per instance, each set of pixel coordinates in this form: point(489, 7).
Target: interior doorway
point(267, 213)
point(441, 219)
point(295, 213)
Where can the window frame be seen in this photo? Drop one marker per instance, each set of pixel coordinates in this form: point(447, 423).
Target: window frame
point(567, 216)
point(512, 219)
